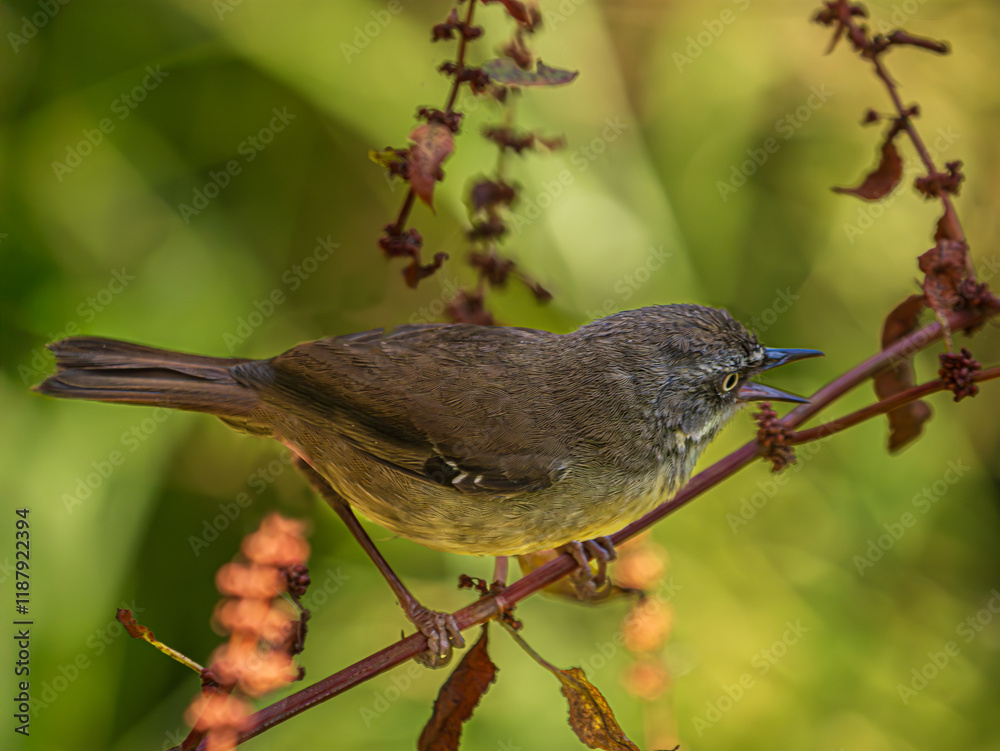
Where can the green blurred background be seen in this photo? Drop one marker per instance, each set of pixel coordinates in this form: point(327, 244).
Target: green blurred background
point(670, 98)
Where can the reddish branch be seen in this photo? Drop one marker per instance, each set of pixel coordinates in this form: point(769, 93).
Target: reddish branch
point(487, 608)
point(949, 278)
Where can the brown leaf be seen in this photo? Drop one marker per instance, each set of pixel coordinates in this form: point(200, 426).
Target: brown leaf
point(945, 266)
point(589, 714)
point(505, 71)
point(432, 143)
point(516, 9)
point(458, 697)
point(518, 51)
point(884, 179)
point(135, 629)
point(906, 422)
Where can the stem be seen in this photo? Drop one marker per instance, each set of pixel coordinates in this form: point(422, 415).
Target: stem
point(460, 62)
point(489, 607)
point(881, 407)
point(404, 210)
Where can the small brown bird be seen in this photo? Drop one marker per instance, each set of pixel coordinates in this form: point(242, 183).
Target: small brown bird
point(471, 439)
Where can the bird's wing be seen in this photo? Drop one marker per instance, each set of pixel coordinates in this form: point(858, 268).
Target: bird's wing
point(457, 405)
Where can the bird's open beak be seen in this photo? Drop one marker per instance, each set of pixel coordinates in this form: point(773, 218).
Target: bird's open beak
point(755, 392)
point(774, 357)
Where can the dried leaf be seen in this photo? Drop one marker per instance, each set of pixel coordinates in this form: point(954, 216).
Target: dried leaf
point(516, 9)
point(393, 160)
point(907, 422)
point(432, 143)
point(590, 716)
point(505, 71)
point(518, 51)
point(944, 266)
point(135, 629)
point(458, 697)
point(884, 179)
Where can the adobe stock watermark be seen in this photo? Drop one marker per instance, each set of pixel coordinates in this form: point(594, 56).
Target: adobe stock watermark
point(762, 662)
point(923, 502)
point(363, 35)
point(131, 439)
point(319, 593)
point(783, 300)
point(968, 629)
point(901, 14)
point(871, 211)
point(785, 126)
point(122, 106)
point(382, 701)
point(557, 14)
point(87, 311)
point(433, 310)
point(605, 651)
point(291, 278)
point(223, 8)
point(750, 506)
point(530, 208)
point(630, 283)
point(30, 25)
point(97, 643)
point(258, 481)
point(714, 28)
point(249, 148)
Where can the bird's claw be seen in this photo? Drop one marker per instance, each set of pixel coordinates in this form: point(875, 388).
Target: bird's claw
point(588, 585)
point(442, 634)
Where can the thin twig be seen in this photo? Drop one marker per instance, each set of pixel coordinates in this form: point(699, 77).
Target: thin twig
point(408, 201)
point(881, 407)
point(489, 607)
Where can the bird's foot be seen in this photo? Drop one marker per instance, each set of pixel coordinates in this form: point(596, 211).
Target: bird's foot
point(591, 586)
point(442, 634)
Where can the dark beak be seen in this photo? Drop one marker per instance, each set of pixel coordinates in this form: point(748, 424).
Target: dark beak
point(774, 357)
point(755, 392)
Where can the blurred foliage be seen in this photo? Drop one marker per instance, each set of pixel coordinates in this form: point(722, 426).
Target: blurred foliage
point(671, 98)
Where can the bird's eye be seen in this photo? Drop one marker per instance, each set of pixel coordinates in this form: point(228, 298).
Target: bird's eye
point(730, 381)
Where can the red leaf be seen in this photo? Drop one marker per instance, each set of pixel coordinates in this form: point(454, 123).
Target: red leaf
point(432, 143)
point(906, 422)
point(884, 179)
point(516, 9)
point(458, 697)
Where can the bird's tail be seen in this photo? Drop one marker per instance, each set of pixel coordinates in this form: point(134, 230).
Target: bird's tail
point(107, 370)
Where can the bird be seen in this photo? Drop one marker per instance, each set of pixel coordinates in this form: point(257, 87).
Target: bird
point(477, 440)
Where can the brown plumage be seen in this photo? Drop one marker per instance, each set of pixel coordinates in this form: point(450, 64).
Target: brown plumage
point(471, 439)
